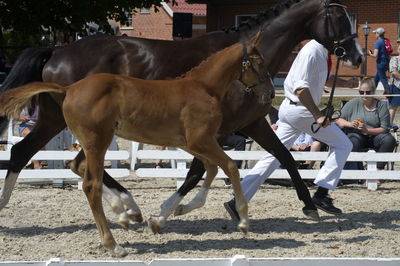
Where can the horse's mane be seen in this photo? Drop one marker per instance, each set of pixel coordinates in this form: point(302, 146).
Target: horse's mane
point(262, 17)
point(249, 24)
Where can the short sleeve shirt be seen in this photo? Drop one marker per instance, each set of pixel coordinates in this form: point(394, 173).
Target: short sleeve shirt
point(309, 70)
point(382, 55)
point(354, 109)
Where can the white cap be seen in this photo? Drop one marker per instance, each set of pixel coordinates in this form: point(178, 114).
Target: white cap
point(379, 30)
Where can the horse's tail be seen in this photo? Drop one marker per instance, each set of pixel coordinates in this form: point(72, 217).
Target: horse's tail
point(28, 68)
point(13, 101)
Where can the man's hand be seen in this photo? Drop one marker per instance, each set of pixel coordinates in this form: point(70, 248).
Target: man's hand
point(322, 122)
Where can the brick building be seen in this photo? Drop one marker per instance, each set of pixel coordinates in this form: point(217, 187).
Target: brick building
point(146, 23)
point(383, 13)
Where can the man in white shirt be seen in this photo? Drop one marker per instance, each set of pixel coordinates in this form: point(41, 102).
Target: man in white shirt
point(303, 87)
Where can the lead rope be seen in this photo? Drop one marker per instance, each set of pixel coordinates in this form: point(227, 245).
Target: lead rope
point(329, 107)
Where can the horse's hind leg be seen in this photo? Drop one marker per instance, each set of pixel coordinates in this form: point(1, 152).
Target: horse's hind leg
point(113, 193)
point(200, 199)
point(49, 125)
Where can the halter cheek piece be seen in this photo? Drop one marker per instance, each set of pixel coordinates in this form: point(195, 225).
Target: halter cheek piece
point(247, 64)
point(340, 52)
point(337, 49)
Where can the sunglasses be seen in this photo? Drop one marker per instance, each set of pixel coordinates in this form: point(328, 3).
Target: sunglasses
point(365, 92)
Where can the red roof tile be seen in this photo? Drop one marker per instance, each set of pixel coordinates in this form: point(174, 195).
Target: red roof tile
point(183, 7)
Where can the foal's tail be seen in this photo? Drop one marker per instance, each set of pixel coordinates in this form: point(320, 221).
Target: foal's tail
point(13, 101)
point(28, 68)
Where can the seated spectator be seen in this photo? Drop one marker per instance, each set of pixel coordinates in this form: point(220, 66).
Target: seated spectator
point(28, 118)
point(366, 121)
point(305, 142)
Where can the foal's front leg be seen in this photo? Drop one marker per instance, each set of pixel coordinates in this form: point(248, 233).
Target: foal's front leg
point(200, 199)
point(210, 150)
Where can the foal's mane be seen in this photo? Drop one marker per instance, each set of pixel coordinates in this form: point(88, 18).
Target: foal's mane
point(205, 61)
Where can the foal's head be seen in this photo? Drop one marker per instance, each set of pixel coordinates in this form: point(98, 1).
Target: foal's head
point(253, 72)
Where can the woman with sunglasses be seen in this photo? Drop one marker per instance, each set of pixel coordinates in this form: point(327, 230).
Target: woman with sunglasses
point(366, 122)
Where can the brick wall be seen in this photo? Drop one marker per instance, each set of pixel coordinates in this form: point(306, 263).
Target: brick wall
point(155, 25)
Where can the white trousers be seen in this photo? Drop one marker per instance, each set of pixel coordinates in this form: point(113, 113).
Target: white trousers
point(292, 121)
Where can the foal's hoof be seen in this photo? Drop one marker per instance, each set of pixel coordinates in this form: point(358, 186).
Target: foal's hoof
point(155, 224)
point(313, 214)
point(135, 217)
point(119, 252)
point(243, 227)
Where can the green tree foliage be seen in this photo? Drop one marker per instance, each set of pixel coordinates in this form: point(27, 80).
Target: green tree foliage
point(37, 16)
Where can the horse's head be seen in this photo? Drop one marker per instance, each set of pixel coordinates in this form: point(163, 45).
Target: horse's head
point(332, 28)
point(253, 70)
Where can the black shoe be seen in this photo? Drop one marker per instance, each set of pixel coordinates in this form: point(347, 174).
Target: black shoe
point(231, 209)
point(325, 204)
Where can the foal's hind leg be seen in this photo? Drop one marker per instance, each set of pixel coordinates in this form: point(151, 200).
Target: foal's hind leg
point(117, 200)
point(49, 125)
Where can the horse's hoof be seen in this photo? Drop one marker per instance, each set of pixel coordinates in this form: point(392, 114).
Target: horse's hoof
point(136, 217)
point(313, 214)
point(119, 251)
point(180, 210)
point(124, 224)
point(154, 225)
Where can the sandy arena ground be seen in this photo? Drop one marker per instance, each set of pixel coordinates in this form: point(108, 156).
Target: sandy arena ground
point(41, 223)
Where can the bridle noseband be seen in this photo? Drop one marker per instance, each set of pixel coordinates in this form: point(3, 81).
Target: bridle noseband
point(247, 63)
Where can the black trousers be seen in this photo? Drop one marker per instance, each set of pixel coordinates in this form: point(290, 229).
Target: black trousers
point(236, 142)
point(384, 142)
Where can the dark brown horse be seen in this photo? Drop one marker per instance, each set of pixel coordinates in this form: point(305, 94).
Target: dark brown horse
point(284, 27)
point(185, 112)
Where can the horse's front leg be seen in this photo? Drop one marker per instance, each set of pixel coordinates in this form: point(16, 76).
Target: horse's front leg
point(263, 134)
point(210, 150)
point(156, 223)
point(200, 199)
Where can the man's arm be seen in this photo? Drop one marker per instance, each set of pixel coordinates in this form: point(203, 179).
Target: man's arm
point(305, 98)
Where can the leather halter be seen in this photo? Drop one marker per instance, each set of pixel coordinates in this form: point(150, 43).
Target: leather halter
point(340, 52)
point(337, 49)
point(247, 63)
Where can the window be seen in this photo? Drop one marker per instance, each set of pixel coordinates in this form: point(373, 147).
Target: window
point(242, 18)
point(144, 10)
point(128, 23)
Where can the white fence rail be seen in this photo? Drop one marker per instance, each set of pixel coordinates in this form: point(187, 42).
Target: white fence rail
point(238, 260)
point(371, 174)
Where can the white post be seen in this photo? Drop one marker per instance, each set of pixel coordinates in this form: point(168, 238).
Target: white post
point(372, 184)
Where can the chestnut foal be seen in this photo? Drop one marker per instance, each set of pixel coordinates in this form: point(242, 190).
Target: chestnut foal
point(184, 112)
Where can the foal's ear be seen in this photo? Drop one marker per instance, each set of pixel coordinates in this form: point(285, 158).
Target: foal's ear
point(256, 41)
